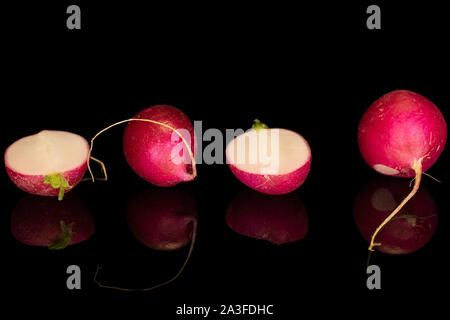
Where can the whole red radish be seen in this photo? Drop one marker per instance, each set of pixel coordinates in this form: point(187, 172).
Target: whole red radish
point(155, 151)
point(277, 219)
point(400, 129)
point(407, 232)
point(163, 219)
point(271, 161)
point(402, 134)
point(48, 163)
point(47, 222)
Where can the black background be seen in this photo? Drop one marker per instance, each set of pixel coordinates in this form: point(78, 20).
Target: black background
point(310, 68)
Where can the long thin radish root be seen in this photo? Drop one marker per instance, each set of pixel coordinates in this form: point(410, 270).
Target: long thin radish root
point(103, 169)
point(191, 248)
point(418, 170)
point(188, 147)
point(105, 175)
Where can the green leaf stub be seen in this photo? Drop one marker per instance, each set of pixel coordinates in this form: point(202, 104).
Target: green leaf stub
point(259, 125)
point(57, 181)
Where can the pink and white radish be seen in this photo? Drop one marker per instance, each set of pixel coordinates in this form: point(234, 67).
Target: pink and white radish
point(271, 161)
point(48, 163)
point(279, 219)
point(47, 222)
point(401, 134)
point(159, 145)
point(407, 232)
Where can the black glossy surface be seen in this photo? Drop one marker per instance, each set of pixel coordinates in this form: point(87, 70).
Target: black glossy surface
point(314, 69)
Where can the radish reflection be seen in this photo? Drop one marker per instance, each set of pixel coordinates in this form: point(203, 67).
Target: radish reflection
point(278, 219)
point(410, 229)
point(48, 222)
point(162, 219)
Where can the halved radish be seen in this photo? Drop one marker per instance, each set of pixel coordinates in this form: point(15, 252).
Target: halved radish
point(271, 161)
point(48, 163)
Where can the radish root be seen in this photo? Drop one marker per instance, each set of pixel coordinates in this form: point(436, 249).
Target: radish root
point(191, 248)
point(105, 175)
point(191, 154)
point(418, 170)
point(369, 256)
point(103, 169)
point(428, 175)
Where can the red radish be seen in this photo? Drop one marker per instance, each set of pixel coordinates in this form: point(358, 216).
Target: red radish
point(48, 163)
point(277, 219)
point(42, 221)
point(402, 134)
point(159, 145)
point(162, 219)
point(400, 129)
point(271, 161)
point(410, 230)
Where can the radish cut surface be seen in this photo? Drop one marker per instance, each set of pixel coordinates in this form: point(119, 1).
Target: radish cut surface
point(47, 152)
point(268, 151)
